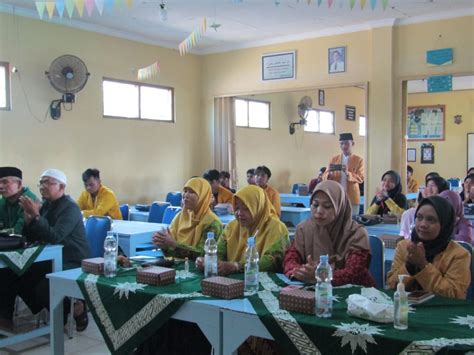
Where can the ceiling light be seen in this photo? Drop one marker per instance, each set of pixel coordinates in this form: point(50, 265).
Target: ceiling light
point(163, 12)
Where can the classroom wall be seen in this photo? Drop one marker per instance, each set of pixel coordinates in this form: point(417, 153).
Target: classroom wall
point(140, 160)
point(297, 158)
point(451, 153)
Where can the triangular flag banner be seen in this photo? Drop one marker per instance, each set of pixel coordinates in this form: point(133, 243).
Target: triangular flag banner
point(352, 3)
point(40, 5)
point(60, 7)
point(129, 3)
point(79, 7)
point(362, 4)
point(99, 4)
point(309, 2)
point(319, 2)
point(330, 3)
point(89, 7)
point(50, 6)
point(193, 38)
point(373, 3)
point(148, 72)
point(70, 7)
point(384, 4)
point(119, 4)
point(109, 5)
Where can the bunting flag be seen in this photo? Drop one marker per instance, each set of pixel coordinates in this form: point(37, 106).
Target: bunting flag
point(362, 4)
point(70, 7)
point(148, 72)
point(50, 6)
point(129, 3)
point(384, 4)
point(319, 2)
point(40, 6)
point(119, 4)
point(193, 38)
point(330, 3)
point(373, 3)
point(89, 6)
point(109, 4)
point(60, 7)
point(99, 4)
point(352, 3)
point(79, 7)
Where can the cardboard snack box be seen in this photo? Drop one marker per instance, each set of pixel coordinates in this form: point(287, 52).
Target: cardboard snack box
point(297, 300)
point(156, 275)
point(93, 266)
point(223, 287)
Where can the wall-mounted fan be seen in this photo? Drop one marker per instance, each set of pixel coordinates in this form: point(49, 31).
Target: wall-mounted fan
point(303, 107)
point(67, 74)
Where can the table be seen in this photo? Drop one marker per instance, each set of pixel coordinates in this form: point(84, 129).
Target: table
point(381, 228)
point(136, 215)
point(226, 218)
point(133, 233)
point(294, 215)
point(294, 198)
point(50, 252)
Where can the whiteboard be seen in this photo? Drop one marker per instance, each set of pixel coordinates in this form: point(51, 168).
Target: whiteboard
point(470, 150)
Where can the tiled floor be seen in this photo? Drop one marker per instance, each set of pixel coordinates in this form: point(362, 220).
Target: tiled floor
point(88, 342)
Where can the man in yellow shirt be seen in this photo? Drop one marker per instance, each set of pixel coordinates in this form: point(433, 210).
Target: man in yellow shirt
point(263, 174)
point(412, 184)
point(97, 200)
point(220, 193)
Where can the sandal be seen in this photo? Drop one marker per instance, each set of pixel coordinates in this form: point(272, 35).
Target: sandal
point(82, 319)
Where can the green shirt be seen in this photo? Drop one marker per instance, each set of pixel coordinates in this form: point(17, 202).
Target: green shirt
point(11, 214)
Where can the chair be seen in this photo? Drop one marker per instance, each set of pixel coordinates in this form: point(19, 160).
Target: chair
point(157, 211)
point(96, 231)
point(174, 198)
point(170, 213)
point(470, 290)
point(124, 210)
point(294, 189)
point(377, 264)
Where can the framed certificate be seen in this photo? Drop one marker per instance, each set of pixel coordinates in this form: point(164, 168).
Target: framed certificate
point(279, 66)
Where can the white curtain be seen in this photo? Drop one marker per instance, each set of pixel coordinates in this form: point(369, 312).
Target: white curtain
point(224, 136)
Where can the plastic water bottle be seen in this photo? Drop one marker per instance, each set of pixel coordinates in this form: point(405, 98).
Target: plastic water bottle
point(251, 267)
point(323, 292)
point(400, 305)
point(210, 258)
point(110, 256)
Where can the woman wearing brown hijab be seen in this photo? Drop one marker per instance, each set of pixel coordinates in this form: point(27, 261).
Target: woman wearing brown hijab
point(330, 230)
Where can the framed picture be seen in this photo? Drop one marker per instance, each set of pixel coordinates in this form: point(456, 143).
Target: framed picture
point(278, 66)
point(427, 154)
point(411, 155)
point(337, 60)
point(426, 123)
point(350, 113)
point(321, 97)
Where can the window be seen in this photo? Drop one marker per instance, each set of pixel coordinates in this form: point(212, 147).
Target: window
point(362, 126)
point(253, 114)
point(4, 86)
point(135, 100)
point(320, 121)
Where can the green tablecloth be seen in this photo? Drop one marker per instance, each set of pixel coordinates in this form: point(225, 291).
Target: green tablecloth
point(439, 324)
point(127, 313)
point(21, 259)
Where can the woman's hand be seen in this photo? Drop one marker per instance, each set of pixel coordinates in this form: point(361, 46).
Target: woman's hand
point(163, 239)
point(306, 272)
point(416, 255)
point(380, 193)
point(226, 268)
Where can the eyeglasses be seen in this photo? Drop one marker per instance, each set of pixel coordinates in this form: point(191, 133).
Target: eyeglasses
point(47, 183)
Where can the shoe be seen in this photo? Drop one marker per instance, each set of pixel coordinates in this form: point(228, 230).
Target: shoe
point(82, 319)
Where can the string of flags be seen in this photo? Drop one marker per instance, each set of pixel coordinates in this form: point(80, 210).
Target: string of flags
point(193, 38)
point(148, 72)
point(78, 6)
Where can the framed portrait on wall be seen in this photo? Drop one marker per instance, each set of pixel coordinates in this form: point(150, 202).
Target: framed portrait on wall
point(411, 155)
point(337, 60)
point(427, 154)
point(426, 123)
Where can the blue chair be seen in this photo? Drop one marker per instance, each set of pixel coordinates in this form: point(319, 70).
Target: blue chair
point(157, 211)
point(454, 183)
point(124, 210)
point(377, 264)
point(295, 188)
point(470, 290)
point(170, 213)
point(96, 231)
point(174, 198)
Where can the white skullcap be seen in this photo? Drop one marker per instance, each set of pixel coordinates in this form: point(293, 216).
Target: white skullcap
point(56, 174)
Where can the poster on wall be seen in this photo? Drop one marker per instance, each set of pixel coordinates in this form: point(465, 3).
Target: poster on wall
point(438, 57)
point(350, 113)
point(278, 66)
point(426, 123)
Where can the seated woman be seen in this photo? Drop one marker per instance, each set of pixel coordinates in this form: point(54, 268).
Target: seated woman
point(187, 233)
point(433, 260)
point(435, 184)
point(330, 230)
point(255, 216)
point(462, 227)
point(388, 197)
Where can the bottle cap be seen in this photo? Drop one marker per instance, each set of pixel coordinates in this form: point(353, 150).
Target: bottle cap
point(323, 258)
point(210, 235)
point(251, 241)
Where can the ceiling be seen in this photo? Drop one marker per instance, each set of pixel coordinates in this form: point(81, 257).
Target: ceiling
point(246, 23)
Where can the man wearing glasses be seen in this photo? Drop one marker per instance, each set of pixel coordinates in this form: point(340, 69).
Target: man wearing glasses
point(11, 189)
point(57, 221)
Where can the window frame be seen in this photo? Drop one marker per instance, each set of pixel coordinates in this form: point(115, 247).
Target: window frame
point(8, 98)
point(365, 119)
point(248, 121)
point(135, 83)
point(333, 122)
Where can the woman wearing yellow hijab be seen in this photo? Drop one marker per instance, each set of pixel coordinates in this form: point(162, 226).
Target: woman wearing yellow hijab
point(188, 231)
point(255, 216)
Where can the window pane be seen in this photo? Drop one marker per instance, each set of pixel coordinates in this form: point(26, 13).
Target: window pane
point(312, 122)
point(362, 126)
point(3, 86)
point(241, 118)
point(327, 121)
point(156, 103)
point(259, 114)
point(120, 99)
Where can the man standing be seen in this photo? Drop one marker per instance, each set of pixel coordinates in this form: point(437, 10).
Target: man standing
point(97, 200)
point(11, 188)
point(348, 170)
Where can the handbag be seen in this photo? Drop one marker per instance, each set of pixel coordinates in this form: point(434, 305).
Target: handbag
point(367, 220)
point(11, 241)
